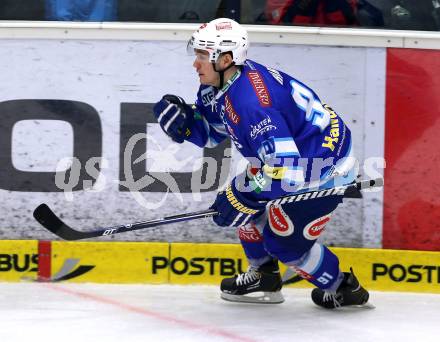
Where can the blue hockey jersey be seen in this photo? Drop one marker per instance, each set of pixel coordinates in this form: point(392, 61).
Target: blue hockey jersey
point(278, 124)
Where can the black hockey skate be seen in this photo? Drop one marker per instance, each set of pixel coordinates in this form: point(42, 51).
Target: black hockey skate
point(256, 285)
point(349, 293)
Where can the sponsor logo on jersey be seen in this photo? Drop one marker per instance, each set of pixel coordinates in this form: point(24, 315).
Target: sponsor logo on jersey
point(203, 26)
point(407, 273)
point(207, 95)
point(232, 114)
point(333, 138)
point(279, 222)
point(223, 26)
point(249, 233)
point(316, 227)
point(261, 127)
point(276, 74)
point(229, 129)
point(260, 88)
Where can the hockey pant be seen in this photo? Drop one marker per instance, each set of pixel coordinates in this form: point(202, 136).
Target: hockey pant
point(289, 233)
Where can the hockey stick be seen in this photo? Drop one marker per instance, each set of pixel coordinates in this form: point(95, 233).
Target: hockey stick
point(344, 190)
point(49, 220)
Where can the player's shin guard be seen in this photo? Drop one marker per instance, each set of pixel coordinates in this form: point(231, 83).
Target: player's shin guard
point(349, 293)
point(319, 266)
point(257, 285)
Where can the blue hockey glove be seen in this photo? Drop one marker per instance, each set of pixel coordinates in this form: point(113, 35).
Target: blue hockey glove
point(174, 116)
point(234, 209)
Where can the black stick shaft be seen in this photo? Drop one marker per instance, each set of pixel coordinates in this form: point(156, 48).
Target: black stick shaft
point(49, 220)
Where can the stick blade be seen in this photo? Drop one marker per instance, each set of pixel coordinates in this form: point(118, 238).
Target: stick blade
point(47, 218)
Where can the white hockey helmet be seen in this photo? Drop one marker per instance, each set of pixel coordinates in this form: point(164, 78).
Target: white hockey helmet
point(219, 36)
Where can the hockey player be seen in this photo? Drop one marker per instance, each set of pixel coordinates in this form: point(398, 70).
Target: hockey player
point(293, 142)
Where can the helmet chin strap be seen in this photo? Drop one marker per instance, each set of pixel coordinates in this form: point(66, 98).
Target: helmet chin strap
point(222, 73)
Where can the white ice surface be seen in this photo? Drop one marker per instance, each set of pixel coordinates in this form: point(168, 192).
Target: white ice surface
point(91, 312)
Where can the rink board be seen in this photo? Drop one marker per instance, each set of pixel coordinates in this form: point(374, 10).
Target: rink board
point(50, 87)
point(188, 263)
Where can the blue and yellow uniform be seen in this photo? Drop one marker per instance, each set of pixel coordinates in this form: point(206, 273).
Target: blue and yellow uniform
point(294, 143)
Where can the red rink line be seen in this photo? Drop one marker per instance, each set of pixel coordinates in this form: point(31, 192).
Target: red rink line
point(156, 315)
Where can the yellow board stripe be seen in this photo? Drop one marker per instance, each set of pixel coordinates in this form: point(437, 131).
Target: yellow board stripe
point(203, 263)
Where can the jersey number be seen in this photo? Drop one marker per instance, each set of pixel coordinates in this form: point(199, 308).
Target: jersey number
point(313, 109)
point(325, 278)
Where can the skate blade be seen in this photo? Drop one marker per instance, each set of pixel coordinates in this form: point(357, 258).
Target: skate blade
point(255, 298)
point(367, 305)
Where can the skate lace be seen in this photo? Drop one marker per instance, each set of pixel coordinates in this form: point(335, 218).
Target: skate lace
point(249, 276)
point(331, 296)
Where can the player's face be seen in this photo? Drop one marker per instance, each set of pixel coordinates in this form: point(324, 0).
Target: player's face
point(205, 70)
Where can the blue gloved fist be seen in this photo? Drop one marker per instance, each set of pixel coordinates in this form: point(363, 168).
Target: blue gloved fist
point(234, 209)
point(174, 116)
